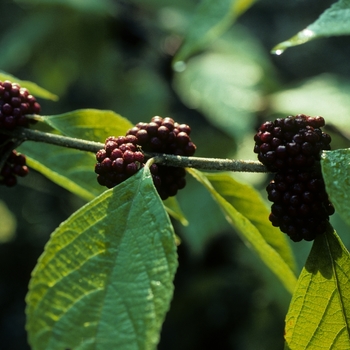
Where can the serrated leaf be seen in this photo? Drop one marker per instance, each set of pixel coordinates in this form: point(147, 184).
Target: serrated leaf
point(333, 22)
point(33, 88)
point(248, 202)
point(68, 168)
point(319, 313)
point(251, 235)
point(336, 174)
point(211, 19)
point(105, 279)
point(89, 124)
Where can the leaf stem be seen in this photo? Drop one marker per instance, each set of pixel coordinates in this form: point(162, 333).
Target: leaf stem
point(167, 159)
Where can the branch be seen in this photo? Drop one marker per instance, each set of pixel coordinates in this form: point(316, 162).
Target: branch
point(24, 134)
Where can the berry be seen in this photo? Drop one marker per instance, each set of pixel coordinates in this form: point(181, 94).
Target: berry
point(119, 160)
point(301, 207)
point(293, 142)
point(122, 156)
point(15, 103)
point(166, 136)
point(14, 165)
point(291, 148)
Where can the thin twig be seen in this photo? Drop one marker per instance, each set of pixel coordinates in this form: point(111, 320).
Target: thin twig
point(166, 159)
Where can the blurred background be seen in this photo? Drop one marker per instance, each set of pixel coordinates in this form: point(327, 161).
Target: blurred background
point(117, 55)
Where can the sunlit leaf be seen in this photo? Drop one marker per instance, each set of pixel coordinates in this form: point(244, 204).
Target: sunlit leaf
point(211, 19)
point(105, 279)
point(336, 174)
point(89, 124)
point(68, 168)
point(248, 202)
point(33, 88)
point(334, 21)
point(251, 236)
point(319, 313)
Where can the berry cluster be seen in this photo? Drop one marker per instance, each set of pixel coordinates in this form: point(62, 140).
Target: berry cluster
point(118, 160)
point(15, 165)
point(301, 206)
point(15, 103)
point(291, 147)
point(292, 142)
point(161, 135)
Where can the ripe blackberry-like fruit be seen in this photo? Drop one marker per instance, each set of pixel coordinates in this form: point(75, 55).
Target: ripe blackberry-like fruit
point(118, 160)
point(14, 165)
point(15, 103)
point(294, 142)
point(122, 156)
point(301, 207)
point(164, 135)
point(291, 147)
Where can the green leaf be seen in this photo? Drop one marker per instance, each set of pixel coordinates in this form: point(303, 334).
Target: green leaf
point(211, 19)
point(251, 235)
point(173, 209)
point(89, 124)
point(105, 279)
point(68, 168)
point(101, 7)
point(33, 88)
point(248, 202)
point(223, 88)
point(336, 174)
point(319, 313)
point(325, 94)
point(334, 21)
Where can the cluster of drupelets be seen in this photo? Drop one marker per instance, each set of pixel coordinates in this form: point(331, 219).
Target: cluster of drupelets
point(291, 148)
point(123, 156)
point(15, 104)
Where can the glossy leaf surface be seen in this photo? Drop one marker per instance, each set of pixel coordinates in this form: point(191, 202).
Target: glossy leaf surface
point(105, 279)
point(336, 174)
point(251, 235)
point(334, 21)
point(319, 313)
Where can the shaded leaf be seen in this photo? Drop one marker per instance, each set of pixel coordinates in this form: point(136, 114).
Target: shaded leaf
point(33, 88)
point(105, 279)
point(334, 21)
point(173, 209)
point(319, 313)
point(224, 84)
point(248, 202)
point(251, 235)
point(211, 19)
point(325, 94)
point(89, 124)
point(68, 168)
point(101, 7)
point(336, 174)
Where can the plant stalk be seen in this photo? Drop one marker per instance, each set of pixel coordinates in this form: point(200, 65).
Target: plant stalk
point(25, 134)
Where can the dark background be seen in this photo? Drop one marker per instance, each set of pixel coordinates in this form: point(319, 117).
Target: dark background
point(224, 298)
